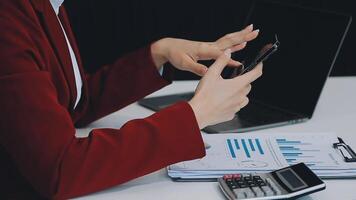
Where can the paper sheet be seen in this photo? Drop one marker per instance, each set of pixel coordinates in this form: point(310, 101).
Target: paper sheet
point(249, 152)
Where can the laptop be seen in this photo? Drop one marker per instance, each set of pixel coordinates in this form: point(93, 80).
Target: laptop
point(293, 77)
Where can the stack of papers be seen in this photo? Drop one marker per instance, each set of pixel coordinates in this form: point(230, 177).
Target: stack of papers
point(249, 153)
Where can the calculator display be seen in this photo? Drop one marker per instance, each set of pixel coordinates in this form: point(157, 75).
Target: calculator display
point(291, 179)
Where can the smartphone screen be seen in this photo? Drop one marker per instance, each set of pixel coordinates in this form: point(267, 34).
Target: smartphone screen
point(266, 51)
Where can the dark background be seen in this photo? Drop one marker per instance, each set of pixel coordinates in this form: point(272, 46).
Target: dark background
point(107, 29)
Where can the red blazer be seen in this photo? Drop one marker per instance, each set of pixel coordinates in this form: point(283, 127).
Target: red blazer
point(39, 153)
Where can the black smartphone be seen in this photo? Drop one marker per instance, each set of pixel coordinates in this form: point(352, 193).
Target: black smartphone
point(262, 56)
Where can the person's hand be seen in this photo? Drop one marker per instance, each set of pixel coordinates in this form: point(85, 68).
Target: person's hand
point(216, 99)
point(185, 54)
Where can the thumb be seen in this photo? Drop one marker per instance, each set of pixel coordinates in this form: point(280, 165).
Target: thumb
point(220, 63)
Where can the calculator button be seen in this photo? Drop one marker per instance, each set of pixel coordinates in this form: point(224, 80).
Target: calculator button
point(249, 182)
point(267, 190)
point(231, 186)
point(248, 178)
point(229, 180)
point(257, 178)
point(258, 181)
point(239, 194)
point(229, 183)
point(258, 192)
point(273, 186)
point(261, 183)
point(275, 189)
point(252, 185)
point(270, 183)
point(249, 193)
point(244, 193)
point(228, 176)
point(234, 187)
point(241, 184)
point(236, 176)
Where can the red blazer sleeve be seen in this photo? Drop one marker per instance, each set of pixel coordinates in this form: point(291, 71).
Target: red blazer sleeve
point(38, 134)
point(115, 86)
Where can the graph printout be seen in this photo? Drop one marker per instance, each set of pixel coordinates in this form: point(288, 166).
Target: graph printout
point(236, 152)
point(267, 152)
point(251, 152)
point(315, 150)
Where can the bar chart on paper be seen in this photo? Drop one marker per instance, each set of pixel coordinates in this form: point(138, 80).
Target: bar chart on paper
point(265, 152)
point(296, 150)
point(236, 153)
point(251, 153)
point(247, 152)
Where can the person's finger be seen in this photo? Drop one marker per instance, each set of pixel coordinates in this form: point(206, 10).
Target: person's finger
point(220, 63)
point(238, 47)
point(234, 63)
point(236, 71)
point(246, 90)
point(241, 34)
point(251, 76)
point(214, 53)
point(210, 52)
point(244, 102)
point(244, 31)
point(234, 39)
point(196, 68)
point(251, 36)
point(247, 29)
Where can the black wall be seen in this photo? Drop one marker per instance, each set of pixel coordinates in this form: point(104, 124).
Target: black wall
point(107, 29)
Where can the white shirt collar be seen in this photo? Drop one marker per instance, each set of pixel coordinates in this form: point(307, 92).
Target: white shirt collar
point(56, 4)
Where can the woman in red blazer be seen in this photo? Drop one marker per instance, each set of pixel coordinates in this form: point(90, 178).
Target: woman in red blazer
point(40, 155)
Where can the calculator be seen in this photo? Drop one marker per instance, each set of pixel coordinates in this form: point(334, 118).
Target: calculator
point(287, 183)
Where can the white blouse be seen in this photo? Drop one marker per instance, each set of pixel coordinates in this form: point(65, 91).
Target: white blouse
point(78, 79)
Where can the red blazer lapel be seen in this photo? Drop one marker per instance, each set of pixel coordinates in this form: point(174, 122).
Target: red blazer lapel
point(66, 25)
point(50, 23)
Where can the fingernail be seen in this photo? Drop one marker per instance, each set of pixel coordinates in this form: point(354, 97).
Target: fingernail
point(227, 52)
point(244, 43)
point(250, 26)
point(257, 30)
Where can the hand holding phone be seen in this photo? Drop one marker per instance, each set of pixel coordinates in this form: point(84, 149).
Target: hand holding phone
point(262, 56)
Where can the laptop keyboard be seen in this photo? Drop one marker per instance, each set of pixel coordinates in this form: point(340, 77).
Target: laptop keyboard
point(187, 96)
point(262, 114)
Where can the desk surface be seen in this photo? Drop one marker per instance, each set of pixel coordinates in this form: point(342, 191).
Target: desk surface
point(335, 112)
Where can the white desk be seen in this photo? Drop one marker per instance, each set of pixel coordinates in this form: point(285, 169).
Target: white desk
point(336, 111)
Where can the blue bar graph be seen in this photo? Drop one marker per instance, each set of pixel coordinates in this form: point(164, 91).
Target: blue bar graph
point(237, 144)
point(291, 160)
point(291, 154)
point(310, 165)
point(244, 145)
point(244, 148)
point(251, 144)
point(232, 152)
point(259, 146)
point(295, 151)
point(284, 141)
point(290, 148)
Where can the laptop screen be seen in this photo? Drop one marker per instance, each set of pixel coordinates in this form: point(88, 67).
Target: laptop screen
point(309, 41)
